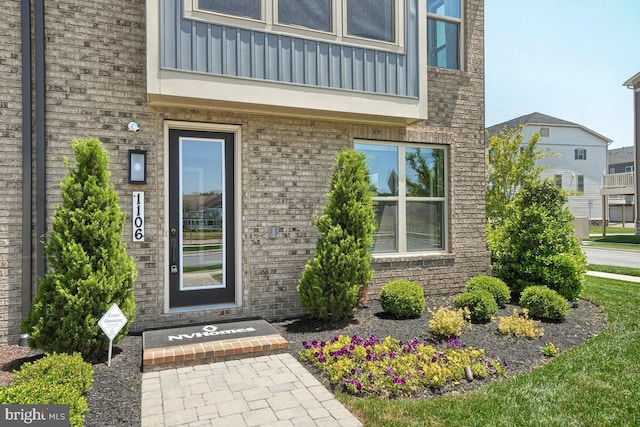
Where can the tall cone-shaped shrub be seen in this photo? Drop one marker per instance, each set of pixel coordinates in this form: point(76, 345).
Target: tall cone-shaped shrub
point(341, 267)
point(88, 266)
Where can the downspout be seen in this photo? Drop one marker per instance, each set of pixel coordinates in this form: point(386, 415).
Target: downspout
point(636, 104)
point(27, 189)
point(41, 179)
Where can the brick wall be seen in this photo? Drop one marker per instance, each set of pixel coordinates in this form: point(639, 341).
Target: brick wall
point(96, 84)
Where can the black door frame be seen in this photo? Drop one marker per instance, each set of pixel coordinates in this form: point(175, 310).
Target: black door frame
point(202, 297)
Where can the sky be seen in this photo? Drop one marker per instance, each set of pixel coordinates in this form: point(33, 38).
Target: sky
point(564, 58)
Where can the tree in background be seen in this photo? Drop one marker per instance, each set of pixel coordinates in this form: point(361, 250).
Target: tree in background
point(341, 268)
point(535, 244)
point(89, 268)
point(509, 165)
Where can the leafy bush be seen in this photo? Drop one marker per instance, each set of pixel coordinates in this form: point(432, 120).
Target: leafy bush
point(495, 286)
point(544, 303)
point(54, 379)
point(446, 322)
point(341, 267)
point(479, 302)
point(89, 268)
point(402, 298)
point(391, 368)
point(535, 244)
point(519, 325)
point(550, 350)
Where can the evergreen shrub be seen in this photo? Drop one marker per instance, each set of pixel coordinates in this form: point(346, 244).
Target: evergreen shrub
point(535, 244)
point(544, 303)
point(495, 286)
point(341, 268)
point(89, 268)
point(479, 302)
point(402, 298)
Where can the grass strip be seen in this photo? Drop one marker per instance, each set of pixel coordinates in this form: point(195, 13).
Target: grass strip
point(627, 271)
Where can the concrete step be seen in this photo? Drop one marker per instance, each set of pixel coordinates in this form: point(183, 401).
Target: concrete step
point(209, 343)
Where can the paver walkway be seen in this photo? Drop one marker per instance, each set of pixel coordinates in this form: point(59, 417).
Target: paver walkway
point(273, 390)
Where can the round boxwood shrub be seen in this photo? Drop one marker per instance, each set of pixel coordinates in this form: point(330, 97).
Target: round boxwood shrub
point(402, 298)
point(544, 303)
point(479, 302)
point(493, 285)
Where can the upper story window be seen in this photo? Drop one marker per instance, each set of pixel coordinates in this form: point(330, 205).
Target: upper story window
point(444, 22)
point(244, 8)
point(544, 132)
point(371, 19)
point(580, 154)
point(409, 183)
point(378, 23)
point(629, 169)
point(314, 14)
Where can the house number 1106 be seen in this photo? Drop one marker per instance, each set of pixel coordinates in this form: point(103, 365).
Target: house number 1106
point(138, 216)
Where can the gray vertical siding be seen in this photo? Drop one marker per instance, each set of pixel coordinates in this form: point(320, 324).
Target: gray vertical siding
point(224, 50)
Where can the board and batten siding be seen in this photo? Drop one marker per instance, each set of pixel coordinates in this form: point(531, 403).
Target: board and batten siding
point(562, 141)
point(209, 48)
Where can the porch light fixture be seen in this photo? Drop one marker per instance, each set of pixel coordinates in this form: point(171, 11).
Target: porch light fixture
point(137, 166)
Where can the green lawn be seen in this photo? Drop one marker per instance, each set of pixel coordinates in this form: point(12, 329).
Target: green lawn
point(629, 229)
point(615, 270)
point(595, 384)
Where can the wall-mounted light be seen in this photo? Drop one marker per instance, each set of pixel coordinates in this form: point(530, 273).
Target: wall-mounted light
point(138, 166)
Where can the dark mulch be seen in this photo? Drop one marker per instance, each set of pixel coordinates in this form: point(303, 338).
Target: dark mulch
point(115, 397)
point(585, 321)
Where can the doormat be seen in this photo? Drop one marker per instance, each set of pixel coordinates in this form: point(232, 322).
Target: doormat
point(196, 334)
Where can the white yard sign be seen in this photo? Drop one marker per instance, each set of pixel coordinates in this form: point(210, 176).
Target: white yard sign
point(111, 323)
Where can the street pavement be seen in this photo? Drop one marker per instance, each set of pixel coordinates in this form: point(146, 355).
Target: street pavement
point(613, 257)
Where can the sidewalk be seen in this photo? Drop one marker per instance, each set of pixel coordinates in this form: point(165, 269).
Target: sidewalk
point(271, 390)
point(622, 277)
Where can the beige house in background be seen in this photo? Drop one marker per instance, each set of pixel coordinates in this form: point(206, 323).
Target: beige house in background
point(239, 109)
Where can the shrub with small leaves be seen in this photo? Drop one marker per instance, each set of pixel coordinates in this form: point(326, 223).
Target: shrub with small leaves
point(402, 298)
point(54, 379)
point(519, 325)
point(496, 287)
point(447, 322)
point(479, 302)
point(544, 303)
point(550, 350)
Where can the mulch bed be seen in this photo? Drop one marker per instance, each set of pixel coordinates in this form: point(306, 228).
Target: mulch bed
point(114, 399)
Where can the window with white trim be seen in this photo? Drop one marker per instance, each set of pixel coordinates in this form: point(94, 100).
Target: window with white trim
point(410, 187)
point(629, 169)
point(375, 22)
point(444, 23)
point(580, 154)
point(580, 184)
point(558, 180)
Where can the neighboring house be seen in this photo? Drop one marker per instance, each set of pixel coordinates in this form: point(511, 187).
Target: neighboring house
point(240, 109)
point(634, 84)
point(579, 161)
point(621, 170)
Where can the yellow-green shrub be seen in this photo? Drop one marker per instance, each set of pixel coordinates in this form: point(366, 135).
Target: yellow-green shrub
point(519, 325)
point(447, 322)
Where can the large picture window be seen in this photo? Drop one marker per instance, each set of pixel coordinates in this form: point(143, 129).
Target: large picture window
point(444, 20)
point(409, 183)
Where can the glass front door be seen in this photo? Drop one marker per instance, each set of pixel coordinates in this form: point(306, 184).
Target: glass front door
point(201, 218)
